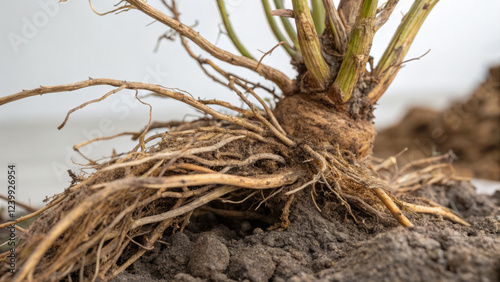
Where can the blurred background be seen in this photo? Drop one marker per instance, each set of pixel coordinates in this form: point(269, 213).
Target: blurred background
point(48, 43)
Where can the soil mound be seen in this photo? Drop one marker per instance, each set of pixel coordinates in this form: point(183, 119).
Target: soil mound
point(330, 246)
point(470, 128)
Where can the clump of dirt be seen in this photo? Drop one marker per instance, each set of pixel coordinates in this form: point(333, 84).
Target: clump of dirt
point(470, 128)
point(330, 246)
point(311, 121)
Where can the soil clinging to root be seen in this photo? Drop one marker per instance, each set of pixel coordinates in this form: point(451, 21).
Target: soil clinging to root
point(208, 170)
point(283, 195)
point(133, 199)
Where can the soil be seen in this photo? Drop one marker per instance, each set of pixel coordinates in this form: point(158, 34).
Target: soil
point(323, 240)
point(308, 120)
point(330, 246)
point(470, 128)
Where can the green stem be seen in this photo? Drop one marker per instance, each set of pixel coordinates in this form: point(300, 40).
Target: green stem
point(230, 32)
point(277, 32)
point(336, 26)
point(309, 43)
point(358, 52)
point(390, 63)
point(318, 15)
point(290, 30)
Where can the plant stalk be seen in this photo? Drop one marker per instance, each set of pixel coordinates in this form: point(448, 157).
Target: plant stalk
point(358, 52)
point(277, 32)
point(349, 10)
point(391, 61)
point(230, 32)
point(290, 29)
point(318, 15)
point(336, 26)
point(309, 43)
point(279, 78)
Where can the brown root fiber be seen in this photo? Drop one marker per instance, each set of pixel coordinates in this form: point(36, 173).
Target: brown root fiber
point(256, 166)
point(127, 199)
point(134, 199)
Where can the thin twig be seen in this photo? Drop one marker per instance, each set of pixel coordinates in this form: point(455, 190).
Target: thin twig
point(119, 9)
point(314, 180)
point(269, 112)
point(270, 51)
point(33, 214)
point(143, 134)
point(283, 82)
point(98, 258)
point(135, 86)
point(426, 161)
point(180, 154)
point(168, 155)
point(150, 241)
point(337, 192)
point(25, 206)
point(88, 103)
point(321, 160)
point(84, 143)
point(202, 62)
point(217, 193)
point(391, 161)
point(240, 201)
point(280, 135)
point(277, 32)
point(230, 31)
point(227, 105)
point(237, 163)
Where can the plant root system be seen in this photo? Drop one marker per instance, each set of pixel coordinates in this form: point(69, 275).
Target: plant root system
point(211, 164)
point(254, 165)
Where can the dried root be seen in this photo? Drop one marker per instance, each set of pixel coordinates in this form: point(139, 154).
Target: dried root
point(415, 175)
point(135, 198)
point(237, 166)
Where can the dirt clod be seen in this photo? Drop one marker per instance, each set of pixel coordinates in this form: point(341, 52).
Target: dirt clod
point(252, 263)
point(208, 256)
point(317, 247)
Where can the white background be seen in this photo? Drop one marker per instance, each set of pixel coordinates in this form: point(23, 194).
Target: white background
point(68, 43)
